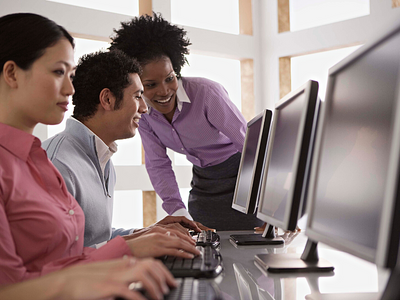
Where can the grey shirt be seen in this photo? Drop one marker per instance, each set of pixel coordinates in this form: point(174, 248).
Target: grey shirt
point(73, 152)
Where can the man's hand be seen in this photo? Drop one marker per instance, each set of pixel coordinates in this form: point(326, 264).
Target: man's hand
point(157, 244)
point(171, 229)
point(203, 227)
point(183, 221)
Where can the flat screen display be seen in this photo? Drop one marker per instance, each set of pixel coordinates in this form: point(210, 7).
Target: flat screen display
point(281, 164)
point(247, 164)
point(355, 149)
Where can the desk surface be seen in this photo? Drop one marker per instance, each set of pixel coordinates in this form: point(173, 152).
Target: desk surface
point(350, 275)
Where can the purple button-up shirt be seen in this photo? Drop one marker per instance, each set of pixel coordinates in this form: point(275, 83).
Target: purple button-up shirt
point(207, 127)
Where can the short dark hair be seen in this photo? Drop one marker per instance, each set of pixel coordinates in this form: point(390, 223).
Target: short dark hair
point(97, 71)
point(148, 38)
point(24, 38)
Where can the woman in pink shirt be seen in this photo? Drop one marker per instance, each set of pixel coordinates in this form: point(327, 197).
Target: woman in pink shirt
point(41, 224)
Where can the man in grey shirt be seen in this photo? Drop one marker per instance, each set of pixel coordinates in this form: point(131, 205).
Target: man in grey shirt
point(108, 105)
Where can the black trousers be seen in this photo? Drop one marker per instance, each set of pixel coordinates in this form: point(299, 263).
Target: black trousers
point(210, 199)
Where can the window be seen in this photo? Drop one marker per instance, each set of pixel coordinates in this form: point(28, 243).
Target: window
point(311, 13)
point(125, 7)
point(128, 209)
point(316, 67)
point(221, 15)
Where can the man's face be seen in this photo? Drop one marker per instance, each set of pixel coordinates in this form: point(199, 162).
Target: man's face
point(126, 117)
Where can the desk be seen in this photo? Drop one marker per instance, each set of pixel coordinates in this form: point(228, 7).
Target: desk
point(351, 274)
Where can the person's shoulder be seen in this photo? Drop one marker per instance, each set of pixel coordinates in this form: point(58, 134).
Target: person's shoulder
point(200, 82)
point(63, 147)
point(55, 139)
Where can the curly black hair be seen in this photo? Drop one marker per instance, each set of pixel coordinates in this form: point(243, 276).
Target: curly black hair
point(97, 71)
point(148, 38)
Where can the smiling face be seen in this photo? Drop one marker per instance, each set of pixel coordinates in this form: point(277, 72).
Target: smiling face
point(126, 117)
point(44, 89)
point(160, 86)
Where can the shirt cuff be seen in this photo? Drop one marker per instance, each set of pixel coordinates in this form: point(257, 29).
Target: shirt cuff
point(182, 212)
point(115, 248)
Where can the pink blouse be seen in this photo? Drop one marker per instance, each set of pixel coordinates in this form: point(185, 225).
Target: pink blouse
point(41, 224)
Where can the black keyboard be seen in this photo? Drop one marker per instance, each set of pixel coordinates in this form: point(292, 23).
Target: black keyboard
point(194, 289)
point(207, 265)
point(190, 289)
point(208, 238)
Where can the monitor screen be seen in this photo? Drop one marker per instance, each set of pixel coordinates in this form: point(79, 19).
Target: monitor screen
point(352, 163)
point(288, 157)
point(251, 164)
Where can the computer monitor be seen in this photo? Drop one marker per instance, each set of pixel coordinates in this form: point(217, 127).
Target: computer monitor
point(354, 199)
point(289, 153)
point(251, 164)
point(285, 181)
point(250, 172)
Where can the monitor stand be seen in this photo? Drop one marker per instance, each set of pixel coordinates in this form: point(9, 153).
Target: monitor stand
point(308, 261)
point(268, 237)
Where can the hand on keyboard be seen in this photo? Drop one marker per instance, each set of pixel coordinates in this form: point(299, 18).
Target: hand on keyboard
point(156, 245)
point(203, 227)
point(182, 221)
point(173, 229)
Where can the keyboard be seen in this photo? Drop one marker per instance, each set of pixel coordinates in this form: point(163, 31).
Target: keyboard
point(207, 265)
point(194, 289)
point(190, 289)
point(208, 238)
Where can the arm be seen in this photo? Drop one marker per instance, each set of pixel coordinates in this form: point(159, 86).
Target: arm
point(94, 281)
point(159, 168)
point(225, 116)
point(12, 265)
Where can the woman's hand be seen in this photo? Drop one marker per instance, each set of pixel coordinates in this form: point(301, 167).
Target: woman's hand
point(94, 281)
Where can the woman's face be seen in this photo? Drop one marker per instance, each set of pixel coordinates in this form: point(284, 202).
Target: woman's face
point(160, 86)
point(44, 89)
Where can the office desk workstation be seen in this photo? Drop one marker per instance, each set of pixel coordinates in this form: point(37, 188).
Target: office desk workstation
point(244, 279)
point(334, 164)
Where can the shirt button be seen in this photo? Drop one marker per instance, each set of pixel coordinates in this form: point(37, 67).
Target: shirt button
point(173, 129)
point(197, 158)
point(182, 149)
point(76, 238)
point(71, 212)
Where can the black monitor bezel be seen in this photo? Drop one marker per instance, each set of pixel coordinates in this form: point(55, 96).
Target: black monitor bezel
point(388, 241)
point(296, 194)
point(253, 193)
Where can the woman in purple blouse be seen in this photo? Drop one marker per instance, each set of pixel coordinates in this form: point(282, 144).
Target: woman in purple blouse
point(192, 116)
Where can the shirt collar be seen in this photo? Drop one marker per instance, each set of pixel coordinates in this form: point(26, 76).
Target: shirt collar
point(17, 142)
point(181, 97)
point(104, 152)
